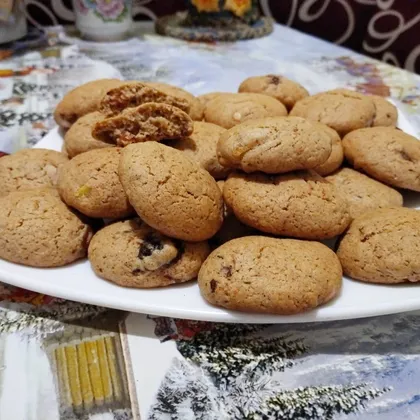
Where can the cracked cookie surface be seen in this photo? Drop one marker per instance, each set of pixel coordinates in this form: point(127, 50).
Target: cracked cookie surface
point(78, 139)
point(362, 193)
point(274, 145)
point(196, 107)
point(132, 254)
point(299, 204)
point(268, 275)
point(383, 246)
point(170, 192)
point(279, 87)
point(133, 94)
point(341, 109)
point(201, 146)
point(228, 110)
point(39, 230)
point(90, 184)
point(28, 169)
point(82, 100)
point(386, 154)
point(147, 122)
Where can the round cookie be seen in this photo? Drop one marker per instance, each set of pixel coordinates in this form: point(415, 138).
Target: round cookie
point(337, 154)
point(78, 139)
point(82, 100)
point(90, 184)
point(299, 204)
point(362, 193)
point(201, 147)
point(28, 169)
point(386, 113)
point(341, 109)
point(283, 89)
point(232, 109)
point(274, 145)
point(207, 97)
point(132, 254)
point(386, 154)
point(39, 230)
point(170, 192)
point(268, 275)
point(196, 107)
point(383, 246)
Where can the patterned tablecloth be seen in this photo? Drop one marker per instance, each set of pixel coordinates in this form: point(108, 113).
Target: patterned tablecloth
point(66, 360)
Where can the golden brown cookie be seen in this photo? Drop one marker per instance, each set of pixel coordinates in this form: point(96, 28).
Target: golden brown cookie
point(232, 109)
point(201, 147)
point(39, 230)
point(82, 100)
point(28, 169)
point(170, 192)
point(274, 145)
point(147, 122)
point(196, 107)
point(90, 184)
point(337, 154)
point(386, 154)
point(363, 193)
point(78, 139)
point(207, 97)
point(268, 275)
point(133, 94)
point(386, 113)
point(299, 204)
point(383, 246)
point(283, 89)
point(132, 254)
point(341, 109)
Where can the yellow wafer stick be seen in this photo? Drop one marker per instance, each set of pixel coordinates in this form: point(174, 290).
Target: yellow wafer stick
point(86, 387)
point(62, 376)
point(105, 374)
point(73, 375)
point(112, 361)
point(94, 372)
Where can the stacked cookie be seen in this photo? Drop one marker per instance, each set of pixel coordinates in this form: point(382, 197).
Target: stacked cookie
point(154, 178)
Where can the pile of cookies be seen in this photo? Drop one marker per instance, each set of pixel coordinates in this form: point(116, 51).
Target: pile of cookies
point(159, 187)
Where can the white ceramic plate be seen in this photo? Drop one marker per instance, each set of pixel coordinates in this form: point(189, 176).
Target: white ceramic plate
point(79, 283)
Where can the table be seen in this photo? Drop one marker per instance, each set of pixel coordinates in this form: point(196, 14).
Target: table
point(66, 360)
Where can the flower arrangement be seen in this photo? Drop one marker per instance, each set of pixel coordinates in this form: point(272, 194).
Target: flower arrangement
point(237, 7)
point(106, 10)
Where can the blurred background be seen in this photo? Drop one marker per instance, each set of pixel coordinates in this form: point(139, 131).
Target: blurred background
point(384, 29)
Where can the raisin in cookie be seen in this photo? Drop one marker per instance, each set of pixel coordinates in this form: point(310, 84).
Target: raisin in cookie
point(274, 145)
point(78, 139)
point(363, 193)
point(337, 154)
point(147, 122)
point(82, 100)
point(383, 246)
point(386, 154)
point(386, 113)
point(28, 169)
point(268, 275)
point(39, 230)
point(196, 107)
point(283, 89)
point(201, 147)
point(133, 94)
point(132, 254)
point(170, 192)
point(341, 109)
point(232, 109)
point(90, 184)
point(299, 204)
